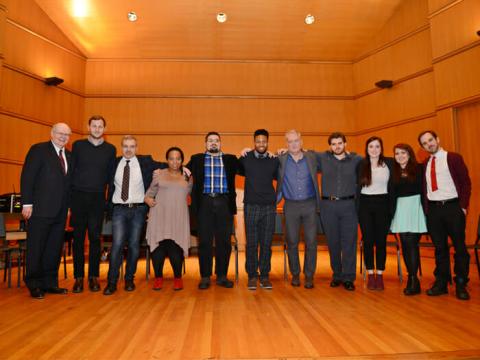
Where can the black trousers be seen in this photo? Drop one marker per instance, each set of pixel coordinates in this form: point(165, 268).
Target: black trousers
point(45, 239)
point(374, 218)
point(410, 251)
point(87, 211)
point(443, 221)
point(175, 254)
point(214, 222)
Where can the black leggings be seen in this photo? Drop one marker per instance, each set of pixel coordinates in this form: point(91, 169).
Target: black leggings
point(175, 254)
point(411, 252)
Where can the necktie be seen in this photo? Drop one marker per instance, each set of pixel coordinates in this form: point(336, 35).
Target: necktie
point(62, 162)
point(125, 181)
point(433, 175)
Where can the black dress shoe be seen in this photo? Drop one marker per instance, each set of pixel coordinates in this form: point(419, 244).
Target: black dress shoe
point(56, 290)
point(93, 284)
point(295, 280)
point(78, 286)
point(204, 283)
point(461, 292)
point(335, 283)
point(413, 286)
point(129, 285)
point(110, 289)
point(224, 282)
point(437, 289)
point(308, 282)
point(36, 293)
point(349, 285)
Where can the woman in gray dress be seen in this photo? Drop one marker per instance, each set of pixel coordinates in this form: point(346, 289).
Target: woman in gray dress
point(168, 228)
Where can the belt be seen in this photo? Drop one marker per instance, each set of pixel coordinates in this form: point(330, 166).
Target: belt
point(131, 205)
point(214, 195)
point(337, 198)
point(442, 202)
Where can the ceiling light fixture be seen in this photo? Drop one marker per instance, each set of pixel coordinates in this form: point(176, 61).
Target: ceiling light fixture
point(53, 81)
point(132, 16)
point(221, 17)
point(309, 19)
point(478, 33)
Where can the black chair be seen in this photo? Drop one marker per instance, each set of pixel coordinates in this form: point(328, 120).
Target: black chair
point(280, 240)
point(10, 248)
point(476, 247)
point(395, 243)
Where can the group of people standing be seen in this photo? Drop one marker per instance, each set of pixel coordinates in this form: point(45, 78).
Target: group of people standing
point(381, 194)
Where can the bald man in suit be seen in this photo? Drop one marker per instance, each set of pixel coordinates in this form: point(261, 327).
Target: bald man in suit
point(45, 186)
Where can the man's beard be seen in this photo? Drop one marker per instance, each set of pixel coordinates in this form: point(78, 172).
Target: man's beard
point(261, 152)
point(213, 151)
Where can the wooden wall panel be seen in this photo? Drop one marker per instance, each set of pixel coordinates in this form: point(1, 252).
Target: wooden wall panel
point(458, 77)
point(24, 95)
point(394, 62)
point(406, 100)
point(408, 17)
point(28, 14)
point(218, 78)
point(455, 27)
point(436, 5)
point(227, 115)
point(10, 179)
point(468, 127)
point(42, 58)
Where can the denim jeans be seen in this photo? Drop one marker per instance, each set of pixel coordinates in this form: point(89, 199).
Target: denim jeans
point(128, 224)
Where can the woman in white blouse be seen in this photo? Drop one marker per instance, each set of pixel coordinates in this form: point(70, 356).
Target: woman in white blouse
point(375, 208)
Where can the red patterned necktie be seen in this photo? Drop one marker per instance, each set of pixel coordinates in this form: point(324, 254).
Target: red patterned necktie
point(433, 175)
point(62, 162)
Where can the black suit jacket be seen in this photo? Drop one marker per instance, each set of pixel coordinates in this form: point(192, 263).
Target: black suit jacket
point(147, 166)
point(43, 183)
point(197, 166)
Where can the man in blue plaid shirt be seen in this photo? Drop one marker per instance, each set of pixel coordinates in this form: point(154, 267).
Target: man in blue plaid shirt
point(213, 206)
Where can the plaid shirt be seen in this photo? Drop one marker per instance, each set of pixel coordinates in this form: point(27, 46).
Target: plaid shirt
point(215, 177)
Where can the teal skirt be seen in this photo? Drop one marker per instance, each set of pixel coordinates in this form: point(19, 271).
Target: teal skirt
point(409, 216)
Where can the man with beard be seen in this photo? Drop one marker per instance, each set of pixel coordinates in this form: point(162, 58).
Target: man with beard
point(447, 189)
point(259, 170)
point(213, 205)
point(298, 185)
point(337, 209)
point(92, 162)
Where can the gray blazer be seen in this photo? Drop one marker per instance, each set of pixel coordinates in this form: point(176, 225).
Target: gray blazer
point(313, 167)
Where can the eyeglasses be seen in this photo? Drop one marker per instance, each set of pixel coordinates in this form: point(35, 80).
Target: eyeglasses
point(62, 134)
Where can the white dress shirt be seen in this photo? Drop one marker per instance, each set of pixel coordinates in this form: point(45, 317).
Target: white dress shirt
point(57, 149)
point(136, 189)
point(446, 186)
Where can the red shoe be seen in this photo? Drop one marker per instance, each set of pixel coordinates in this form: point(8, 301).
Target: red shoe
point(158, 283)
point(371, 285)
point(177, 284)
point(379, 282)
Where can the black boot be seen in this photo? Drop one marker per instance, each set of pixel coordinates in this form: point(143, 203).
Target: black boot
point(413, 286)
point(461, 291)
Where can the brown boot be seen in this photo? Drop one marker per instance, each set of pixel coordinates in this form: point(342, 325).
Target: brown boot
point(379, 282)
point(371, 284)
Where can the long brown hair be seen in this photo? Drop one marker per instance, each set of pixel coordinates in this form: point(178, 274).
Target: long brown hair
point(410, 171)
point(366, 170)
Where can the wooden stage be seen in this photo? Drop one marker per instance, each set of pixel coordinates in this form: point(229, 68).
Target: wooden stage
point(284, 323)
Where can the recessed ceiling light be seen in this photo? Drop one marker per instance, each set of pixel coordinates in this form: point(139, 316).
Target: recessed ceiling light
point(221, 17)
point(309, 19)
point(132, 16)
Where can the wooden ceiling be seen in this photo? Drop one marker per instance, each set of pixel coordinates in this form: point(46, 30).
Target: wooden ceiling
point(255, 29)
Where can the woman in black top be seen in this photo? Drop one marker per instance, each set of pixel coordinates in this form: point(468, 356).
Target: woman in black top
point(409, 220)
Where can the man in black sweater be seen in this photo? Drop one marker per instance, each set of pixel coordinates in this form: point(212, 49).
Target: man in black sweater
point(92, 161)
point(260, 209)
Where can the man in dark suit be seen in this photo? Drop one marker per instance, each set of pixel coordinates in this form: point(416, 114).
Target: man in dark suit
point(213, 205)
point(45, 186)
point(130, 178)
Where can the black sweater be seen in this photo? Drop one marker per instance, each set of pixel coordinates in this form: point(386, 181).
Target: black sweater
point(408, 188)
point(91, 165)
point(259, 175)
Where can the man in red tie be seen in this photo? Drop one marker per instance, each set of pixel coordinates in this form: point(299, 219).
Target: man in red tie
point(447, 189)
point(45, 186)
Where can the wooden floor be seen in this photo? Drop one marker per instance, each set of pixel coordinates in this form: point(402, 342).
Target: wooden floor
point(285, 323)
